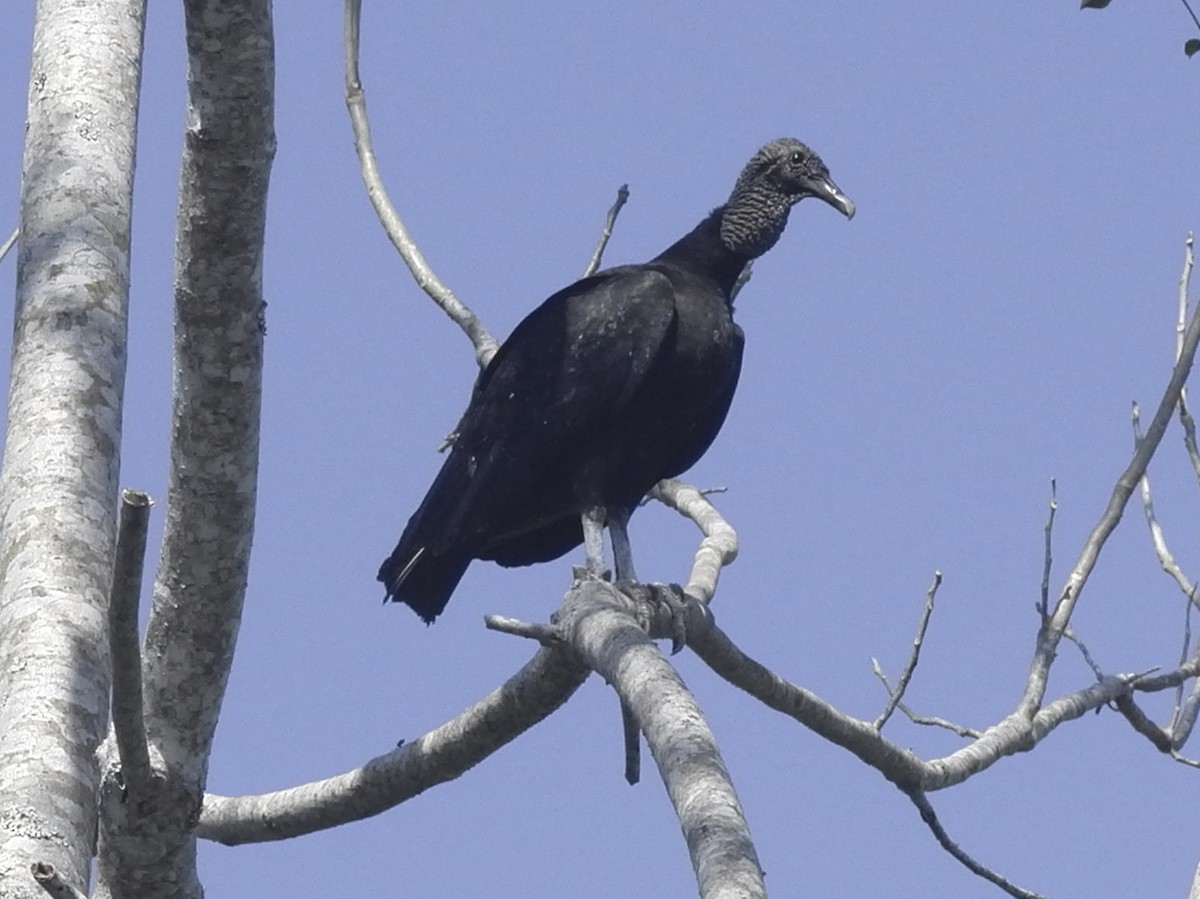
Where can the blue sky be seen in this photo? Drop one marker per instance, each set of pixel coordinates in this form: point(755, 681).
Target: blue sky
point(1024, 175)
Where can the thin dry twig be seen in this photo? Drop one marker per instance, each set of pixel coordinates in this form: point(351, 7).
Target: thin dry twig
point(1048, 559)
point(910, 666)
point(926, 720)
point(9, 243)
point(546, 634)
point(129, 725)
point(929, 816)
point(1165, 558)
point(485, 345)
point(1185, 415)
point(606, 234)
point(1083, 651)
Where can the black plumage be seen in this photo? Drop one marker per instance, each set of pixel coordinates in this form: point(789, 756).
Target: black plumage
point(612, 384)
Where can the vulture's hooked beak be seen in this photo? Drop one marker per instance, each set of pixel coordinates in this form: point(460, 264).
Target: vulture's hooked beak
point(825, 189)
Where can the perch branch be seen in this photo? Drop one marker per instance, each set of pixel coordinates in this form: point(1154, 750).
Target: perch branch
point(129, 725)
point(929, 816)
point(689, 760)
point(607, 232)
point(485, 345)
point(896, 695)
point(720, 544)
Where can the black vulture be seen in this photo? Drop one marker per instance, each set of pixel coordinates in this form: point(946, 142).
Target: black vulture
point(612, 384)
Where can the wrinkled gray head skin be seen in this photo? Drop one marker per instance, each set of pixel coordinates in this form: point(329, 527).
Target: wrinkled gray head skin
point(778, 176)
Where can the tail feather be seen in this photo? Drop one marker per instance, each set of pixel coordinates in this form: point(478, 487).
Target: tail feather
point(422, 580)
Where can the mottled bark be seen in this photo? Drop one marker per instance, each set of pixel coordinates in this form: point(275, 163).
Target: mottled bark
point(58, 488)
point(147, 848)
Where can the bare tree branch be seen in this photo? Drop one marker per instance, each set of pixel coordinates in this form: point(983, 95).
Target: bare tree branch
point(929, 816)
point(485, 345)
point(688, 758)
point(529, 696)
point(1142, 724)
point(129, 726)
point(1052, 630)
point(720, 544)
point(606, 234)
point(1165, 558)
point(896, 695)
point(9, 243)
point(1048, 557)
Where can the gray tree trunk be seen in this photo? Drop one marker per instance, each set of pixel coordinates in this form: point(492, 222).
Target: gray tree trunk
point(58, 487)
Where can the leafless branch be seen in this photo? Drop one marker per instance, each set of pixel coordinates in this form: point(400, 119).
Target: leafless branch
point(719, 546)
point(1185, 415)
point(129, 725)
point(929, 816)
point(925, 720)
point(1165, 557)
point(9, 243)
point(606, 234)
point(529, 696)
point(1177, 708)
point(914, 657)
point(546, 634)
point(51, 882)
point(1142, 724)
point(1048, 558)
point(1051, 631)
point(485, 345)
point(688, 757)
point(1083, 651)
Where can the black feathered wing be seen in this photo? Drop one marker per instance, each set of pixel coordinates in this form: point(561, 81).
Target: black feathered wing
point(535, 444)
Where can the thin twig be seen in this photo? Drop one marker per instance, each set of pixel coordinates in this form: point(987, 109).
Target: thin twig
point(1083, 650)
point(128, 722)
point(929, 816)
point(1185, 415)
point(926, 720)
point(1188, 7)
point(1048, 559)
point(606, 234)
point(1165, 558)
point(911, 665)
point(546, 634)
point(9, 243)
point(1177, 708)
point(485, 345)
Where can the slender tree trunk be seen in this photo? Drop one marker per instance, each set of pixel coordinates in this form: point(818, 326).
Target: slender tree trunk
point(62, 448)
